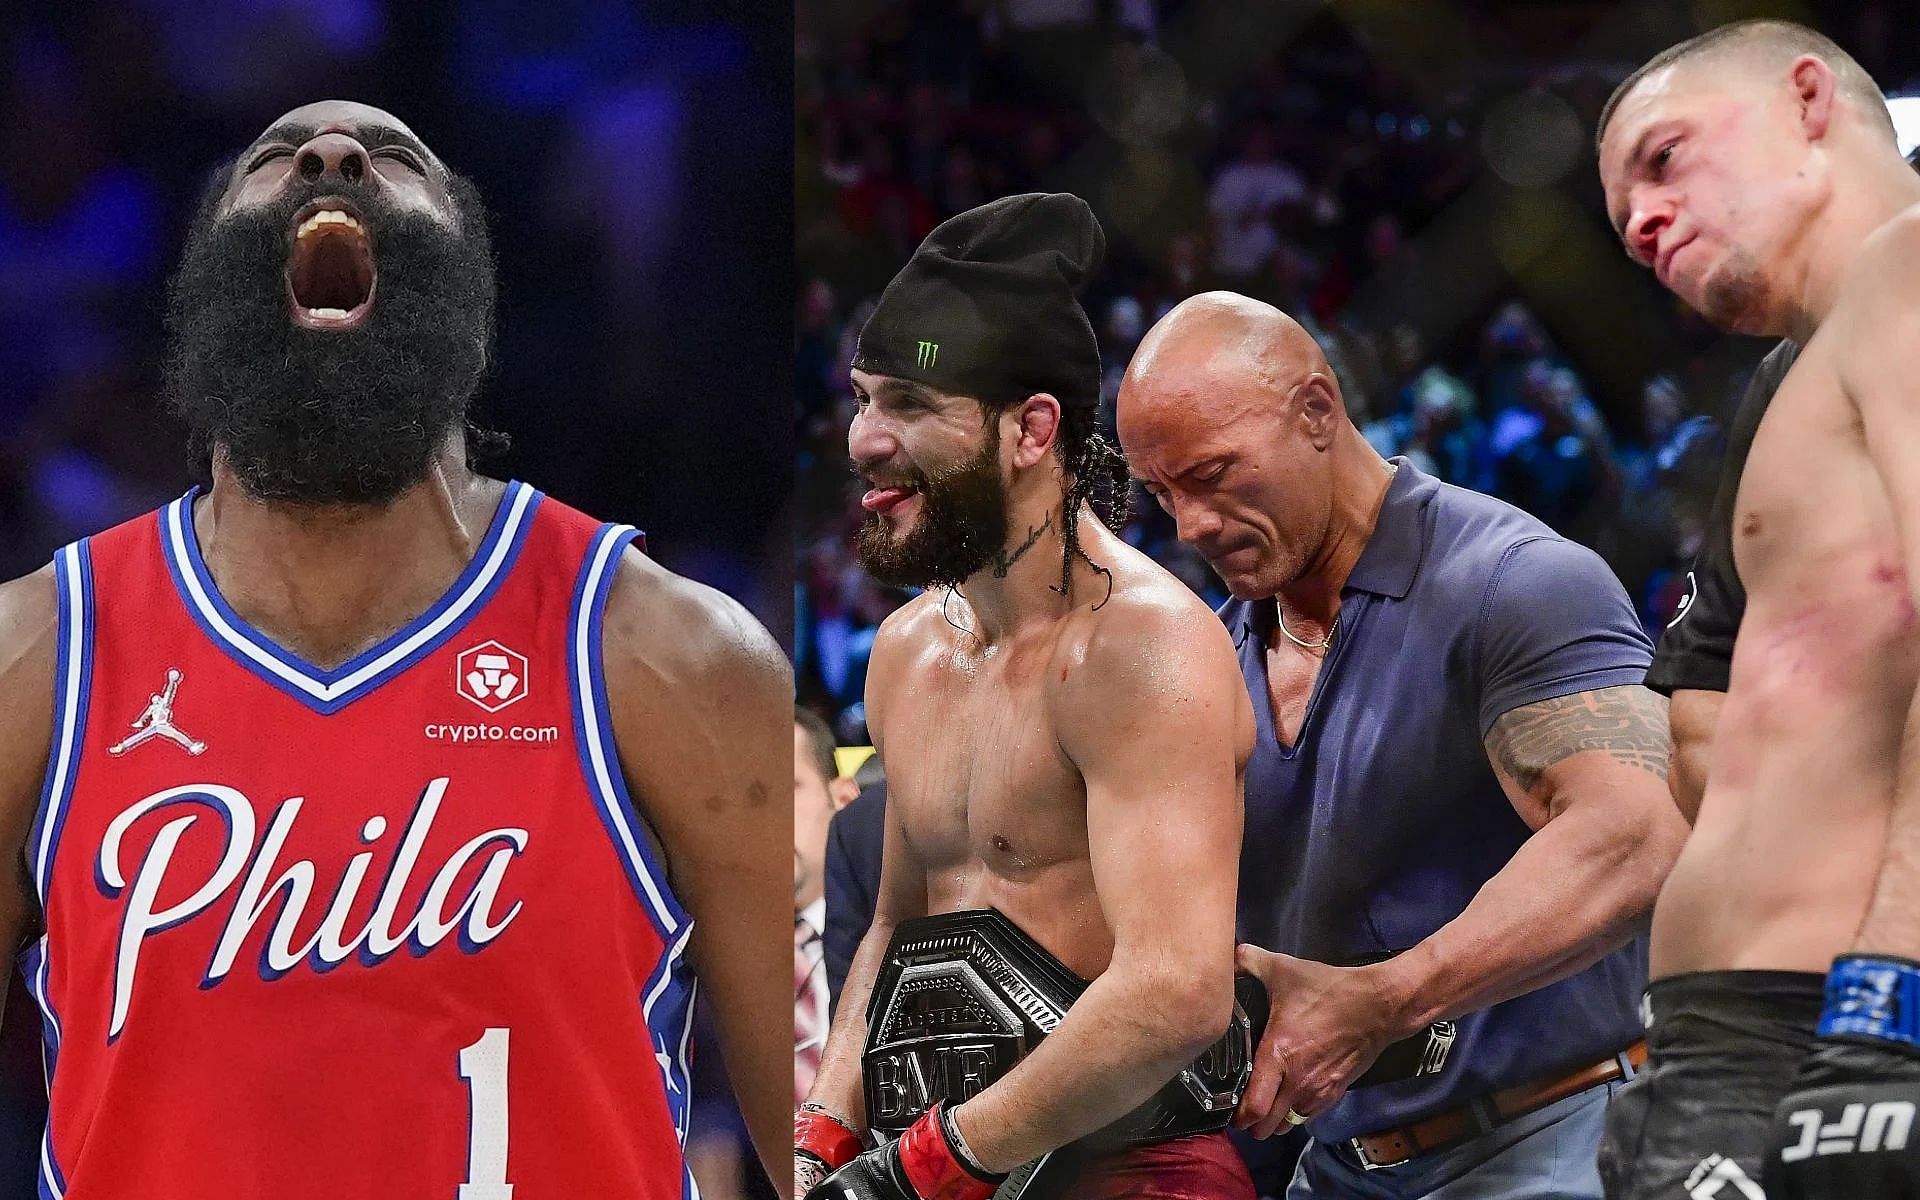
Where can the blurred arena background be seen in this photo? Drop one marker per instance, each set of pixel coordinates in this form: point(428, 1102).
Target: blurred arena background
point(1415, 182)
point(634, 155)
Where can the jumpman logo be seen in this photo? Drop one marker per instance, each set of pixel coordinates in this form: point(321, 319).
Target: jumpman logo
point(157, 722)
point(666, 1063)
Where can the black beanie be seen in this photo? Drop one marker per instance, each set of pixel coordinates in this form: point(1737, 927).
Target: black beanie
point(986, 306)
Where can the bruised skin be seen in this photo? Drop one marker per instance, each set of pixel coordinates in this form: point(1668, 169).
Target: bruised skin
point(1778, 872)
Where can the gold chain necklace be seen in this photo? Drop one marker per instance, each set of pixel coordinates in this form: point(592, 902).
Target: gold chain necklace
point(1322, 644)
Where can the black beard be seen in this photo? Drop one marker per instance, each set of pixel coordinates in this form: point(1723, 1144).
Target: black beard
point(329, 417)
point(962, 525)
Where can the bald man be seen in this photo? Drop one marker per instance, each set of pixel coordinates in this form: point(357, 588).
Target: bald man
point(361, 808)
point(1755, 170)
point(1457, 810)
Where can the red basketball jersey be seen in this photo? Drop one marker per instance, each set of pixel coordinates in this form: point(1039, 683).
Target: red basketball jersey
point(388, 931)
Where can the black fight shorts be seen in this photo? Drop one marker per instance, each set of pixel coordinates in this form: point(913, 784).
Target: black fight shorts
point(1723, 1048)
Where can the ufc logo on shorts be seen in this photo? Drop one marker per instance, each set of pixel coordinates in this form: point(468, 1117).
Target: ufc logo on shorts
point(1861, 1129)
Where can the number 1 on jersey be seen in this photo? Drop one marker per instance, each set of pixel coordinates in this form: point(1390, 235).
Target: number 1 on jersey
point(484, 1066)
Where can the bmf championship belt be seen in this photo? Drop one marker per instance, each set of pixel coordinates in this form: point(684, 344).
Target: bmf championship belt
point(962, 997)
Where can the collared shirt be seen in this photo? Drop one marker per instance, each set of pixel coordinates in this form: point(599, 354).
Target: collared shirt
point(1384, 819)
point(809, 997)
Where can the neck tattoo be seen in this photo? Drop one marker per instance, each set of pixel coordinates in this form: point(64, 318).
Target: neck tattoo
point(1003, 561)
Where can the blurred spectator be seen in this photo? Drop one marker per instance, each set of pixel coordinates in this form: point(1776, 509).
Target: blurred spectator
point(819, 790)
point(1120, 332)
point(1326, 160)
point(883, 201)
point(814, 345)
point(1248, 196)
point(1448, 437)
point(854, 841)
point(1555, 459)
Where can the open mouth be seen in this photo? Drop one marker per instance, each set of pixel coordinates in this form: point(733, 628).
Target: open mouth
point(330, 272)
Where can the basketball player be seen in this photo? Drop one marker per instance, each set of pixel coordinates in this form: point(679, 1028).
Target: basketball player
point(1061, 722)
point(1754, 169)
point(371, 814)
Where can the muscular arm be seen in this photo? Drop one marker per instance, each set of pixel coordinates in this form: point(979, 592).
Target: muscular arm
point(1157, 721)
point(902, 894)
point(1878, 326)
point(1692, 715)
point(701, 701)
point(1588, 773)
point(29, 630)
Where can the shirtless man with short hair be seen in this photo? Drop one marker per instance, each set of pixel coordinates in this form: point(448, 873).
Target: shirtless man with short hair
point(1061, 720)
point(1754, 169)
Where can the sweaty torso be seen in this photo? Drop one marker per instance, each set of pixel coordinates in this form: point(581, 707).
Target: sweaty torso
point(993, 811)
point(1781, 863)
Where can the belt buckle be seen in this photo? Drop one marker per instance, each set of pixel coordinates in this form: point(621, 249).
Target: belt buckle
point(1366, 1160)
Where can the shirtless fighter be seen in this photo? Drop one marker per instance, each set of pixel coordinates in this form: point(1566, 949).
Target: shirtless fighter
point(1063, 730)
point(1754, 169)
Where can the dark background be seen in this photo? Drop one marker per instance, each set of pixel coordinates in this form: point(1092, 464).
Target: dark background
point(635, 159)
point(1414, 182)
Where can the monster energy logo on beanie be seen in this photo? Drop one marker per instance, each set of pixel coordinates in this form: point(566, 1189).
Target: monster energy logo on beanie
point(987, 307)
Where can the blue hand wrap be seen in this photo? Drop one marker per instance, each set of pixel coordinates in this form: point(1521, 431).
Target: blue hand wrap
point(1872, 996)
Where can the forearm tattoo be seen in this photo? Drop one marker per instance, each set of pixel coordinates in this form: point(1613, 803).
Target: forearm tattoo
point(1628, 722)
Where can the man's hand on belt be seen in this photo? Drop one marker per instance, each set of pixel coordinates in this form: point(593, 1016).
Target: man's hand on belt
point(927, 1162)
point(1327, 1025)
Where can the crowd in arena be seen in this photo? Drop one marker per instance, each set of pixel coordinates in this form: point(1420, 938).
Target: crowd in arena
point(1299, 159)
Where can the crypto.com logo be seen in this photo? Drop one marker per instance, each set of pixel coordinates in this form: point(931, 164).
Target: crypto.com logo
point(491, 676)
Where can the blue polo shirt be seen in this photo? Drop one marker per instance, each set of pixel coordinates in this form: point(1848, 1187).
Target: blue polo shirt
point(1384, 820)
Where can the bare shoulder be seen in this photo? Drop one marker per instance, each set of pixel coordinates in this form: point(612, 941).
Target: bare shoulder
point(1870, 336)
point(1148, 606)
point(910, 637)
point(1899, 237)
point(691, 646)
point(29, 612)
point(29, 631)
point(1887, 267)
point(29, 634)
point(1150, 632)
point(1149, 679)
point(907, 629)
